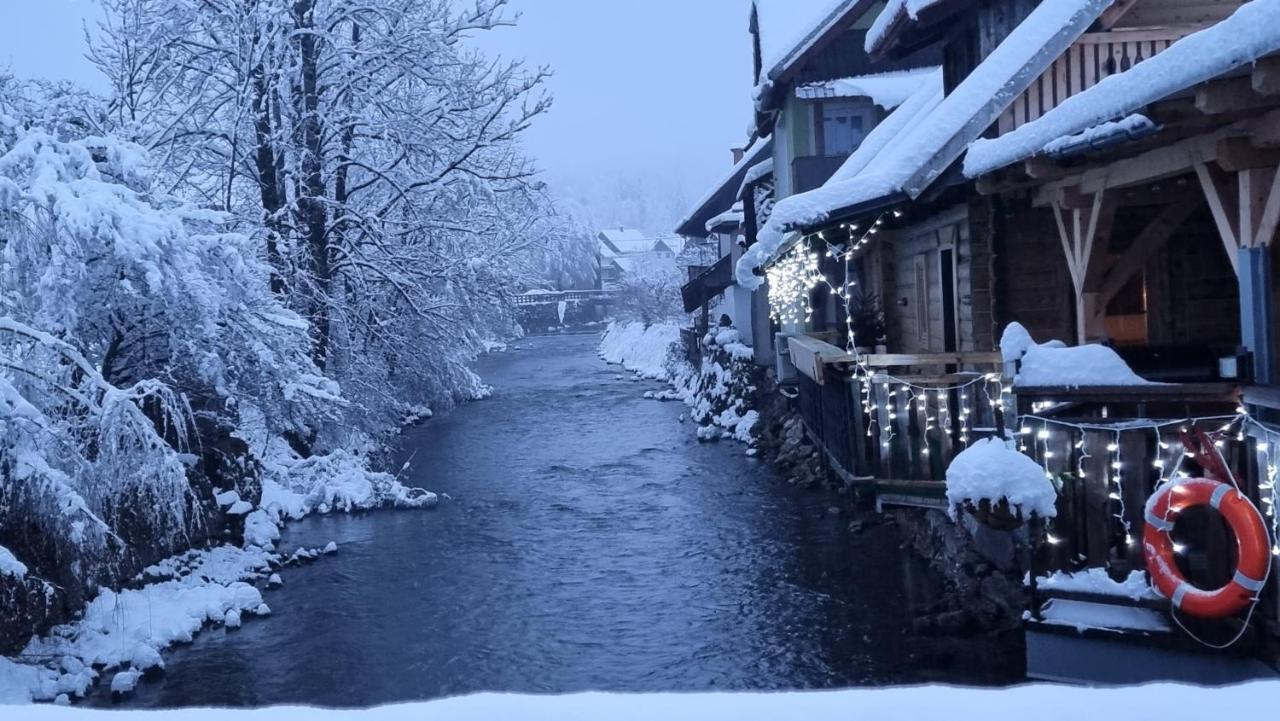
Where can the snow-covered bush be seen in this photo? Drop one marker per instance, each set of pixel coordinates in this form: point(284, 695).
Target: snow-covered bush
point(722, 393)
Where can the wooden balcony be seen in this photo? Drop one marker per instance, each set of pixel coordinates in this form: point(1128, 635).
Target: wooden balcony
point(897, 429)
point(1092, 58)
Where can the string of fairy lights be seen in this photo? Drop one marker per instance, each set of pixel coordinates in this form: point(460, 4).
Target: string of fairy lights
point(1046, 439)
point(798, 272)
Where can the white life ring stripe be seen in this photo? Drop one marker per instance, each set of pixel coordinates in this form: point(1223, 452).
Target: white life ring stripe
point(1183, 589)
point(1158, 523)
point(1219, 495)
point(1250, 584)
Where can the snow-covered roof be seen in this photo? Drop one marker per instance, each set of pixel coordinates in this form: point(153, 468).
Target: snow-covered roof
point(628, 241)
point(722, 194)
point(1252, 32)
point(816, 205)
point(894, 14)
point(755, 174)
point(927, 147)
point(622, 235)
point(732, 216)
point(1131, 127)
point(789, 27)
point(888, 90)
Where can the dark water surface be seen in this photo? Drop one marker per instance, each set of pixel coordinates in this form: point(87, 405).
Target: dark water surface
point(590, 543)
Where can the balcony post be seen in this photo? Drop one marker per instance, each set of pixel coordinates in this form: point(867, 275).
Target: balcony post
point(1257, 326)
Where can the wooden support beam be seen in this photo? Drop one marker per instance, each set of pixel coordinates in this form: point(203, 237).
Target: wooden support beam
point(1115, 13)
point(1149, 241)
point(1217, 190)
point(1229, 96)
point(1266, 76)
point(1078, 229)
point(1259, 206)
point(1241, 153)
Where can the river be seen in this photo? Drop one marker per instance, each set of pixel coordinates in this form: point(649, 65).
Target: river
point(589, 543)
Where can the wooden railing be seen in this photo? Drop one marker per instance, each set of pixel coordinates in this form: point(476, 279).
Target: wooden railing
point(898, 421)
point(1092, 58)
point(1109, 447)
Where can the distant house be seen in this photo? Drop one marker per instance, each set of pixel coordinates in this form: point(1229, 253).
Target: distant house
point(621, 248)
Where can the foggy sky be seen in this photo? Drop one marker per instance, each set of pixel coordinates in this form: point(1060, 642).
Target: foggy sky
point(649, 94)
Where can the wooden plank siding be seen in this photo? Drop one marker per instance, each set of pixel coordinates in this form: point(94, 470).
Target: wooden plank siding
point(912, 280)
point(1094, 57)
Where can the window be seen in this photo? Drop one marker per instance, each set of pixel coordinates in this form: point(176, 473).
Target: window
point(843, 127)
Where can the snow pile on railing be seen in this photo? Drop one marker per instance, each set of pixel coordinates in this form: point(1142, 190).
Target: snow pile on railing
point(991, 471)
point(1055, 364)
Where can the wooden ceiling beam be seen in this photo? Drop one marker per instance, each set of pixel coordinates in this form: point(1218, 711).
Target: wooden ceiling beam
point(1266, 76)
point(1114, 14)
point(1240, 153)
point(1229, 96)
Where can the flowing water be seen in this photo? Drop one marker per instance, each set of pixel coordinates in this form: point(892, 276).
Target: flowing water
point(590, 543)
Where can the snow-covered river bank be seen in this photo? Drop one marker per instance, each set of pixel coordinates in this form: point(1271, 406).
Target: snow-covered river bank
point(590, 544)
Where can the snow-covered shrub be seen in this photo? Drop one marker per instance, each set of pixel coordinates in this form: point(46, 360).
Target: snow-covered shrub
point(649, 290)
point(722, 393)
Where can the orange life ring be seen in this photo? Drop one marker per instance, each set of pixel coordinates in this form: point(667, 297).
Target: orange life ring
point(1253, 545)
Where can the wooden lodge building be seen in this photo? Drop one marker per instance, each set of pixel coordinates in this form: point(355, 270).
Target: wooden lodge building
point(1101, 173)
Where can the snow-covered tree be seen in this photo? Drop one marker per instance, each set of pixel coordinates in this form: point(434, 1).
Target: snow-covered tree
point(126, 317)
point(378, 151)
point(649, 290)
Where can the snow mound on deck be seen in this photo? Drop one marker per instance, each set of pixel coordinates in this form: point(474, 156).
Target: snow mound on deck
point(1056, 364)
point(990, 471)
point(639, 349)
point(1098, 581)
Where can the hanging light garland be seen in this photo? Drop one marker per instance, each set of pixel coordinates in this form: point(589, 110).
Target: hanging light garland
point(791, 280)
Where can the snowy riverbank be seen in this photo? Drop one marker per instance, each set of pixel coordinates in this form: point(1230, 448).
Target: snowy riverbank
point(720, 395)
point(120, 634)
point(1043, 702)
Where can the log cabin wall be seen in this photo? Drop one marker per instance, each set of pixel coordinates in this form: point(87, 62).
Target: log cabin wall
point(1033, 284)
point(912, 270)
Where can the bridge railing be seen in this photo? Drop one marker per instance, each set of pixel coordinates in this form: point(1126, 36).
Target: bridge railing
point(568, 296)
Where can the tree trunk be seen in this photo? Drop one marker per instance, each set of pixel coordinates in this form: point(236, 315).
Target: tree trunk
point(311, 202)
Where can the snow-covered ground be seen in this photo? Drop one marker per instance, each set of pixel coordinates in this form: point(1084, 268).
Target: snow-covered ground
point(718, 395)
point(1165, 702)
